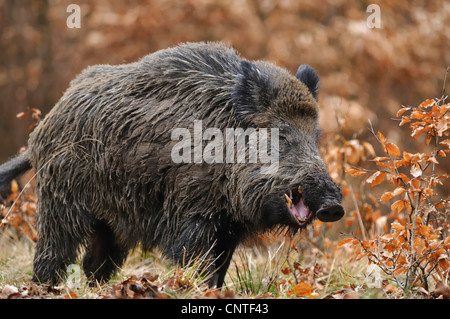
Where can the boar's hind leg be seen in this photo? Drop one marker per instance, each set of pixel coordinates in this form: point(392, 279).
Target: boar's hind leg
point(103, 254)
point(59, 238)
point(51, 259)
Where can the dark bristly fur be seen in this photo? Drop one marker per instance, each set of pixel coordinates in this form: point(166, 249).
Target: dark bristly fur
point(106, 181)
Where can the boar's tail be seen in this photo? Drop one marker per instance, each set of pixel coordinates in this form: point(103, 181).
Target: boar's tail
point(11, 169)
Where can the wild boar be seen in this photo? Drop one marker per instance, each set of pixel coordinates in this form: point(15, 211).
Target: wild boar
point(107, 178)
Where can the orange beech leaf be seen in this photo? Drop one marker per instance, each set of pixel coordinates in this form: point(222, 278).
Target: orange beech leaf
point(356, 171)
point(397, 226)
point(404, 120)
point(388, 195)
point(399, 205)
point(402, 110)
point(447, 240)
point(391, 247)
point(417, 131)
point(387, 237)
point(426, 103)
point(346, 241)
point(376, 178)
point(21, 115)
point(417, 115)
point(392, 149)
point(442, 126)
point(415, 170)
point(424, 230)
point(435, 111)
point(435, 244)
point(445, 142)
point(407, 156)
point(398, 163)
point(429, 192)
point(389, 165)
point(369, 148)
point(368, 244)
point(414, 184)
point(444, 263)
point(444, 108)
point(418, 220)
point(403, 177)
point(428, 139)
point(381, 138)
point(419, 245)
point(413, 158)
point(380, 158)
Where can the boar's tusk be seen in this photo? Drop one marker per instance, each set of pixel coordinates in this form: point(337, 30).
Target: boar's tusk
point(288, 200)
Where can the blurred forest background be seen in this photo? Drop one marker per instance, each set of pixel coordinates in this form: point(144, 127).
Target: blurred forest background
point(366, 74)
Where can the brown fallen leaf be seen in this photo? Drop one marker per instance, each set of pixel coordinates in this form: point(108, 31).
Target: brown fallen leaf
point(301, 290)
point(70, 295)
point(135, 288)
point(9, 292)
point(441, 290)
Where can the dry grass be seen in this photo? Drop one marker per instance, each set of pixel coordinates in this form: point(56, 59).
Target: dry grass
point(258, 271)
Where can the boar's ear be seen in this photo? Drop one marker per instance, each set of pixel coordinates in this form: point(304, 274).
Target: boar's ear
point(309, 77)
point(250, 93)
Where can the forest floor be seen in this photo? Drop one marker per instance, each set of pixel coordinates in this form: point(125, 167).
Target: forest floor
point(276, 270)
point(283, 268)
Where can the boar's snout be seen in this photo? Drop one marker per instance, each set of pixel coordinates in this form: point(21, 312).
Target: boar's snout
point(330, 213)
point(322, 196)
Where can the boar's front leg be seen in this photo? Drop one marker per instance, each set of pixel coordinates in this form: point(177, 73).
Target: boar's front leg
point(210, 241)
point(220, 266)
point(103, 254)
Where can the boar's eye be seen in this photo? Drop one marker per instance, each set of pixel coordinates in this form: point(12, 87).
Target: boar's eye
point(309, 77)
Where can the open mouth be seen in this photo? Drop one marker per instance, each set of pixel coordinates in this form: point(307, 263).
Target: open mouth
point(297, 207)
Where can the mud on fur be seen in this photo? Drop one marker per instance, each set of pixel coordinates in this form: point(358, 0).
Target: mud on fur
point(106, 182)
